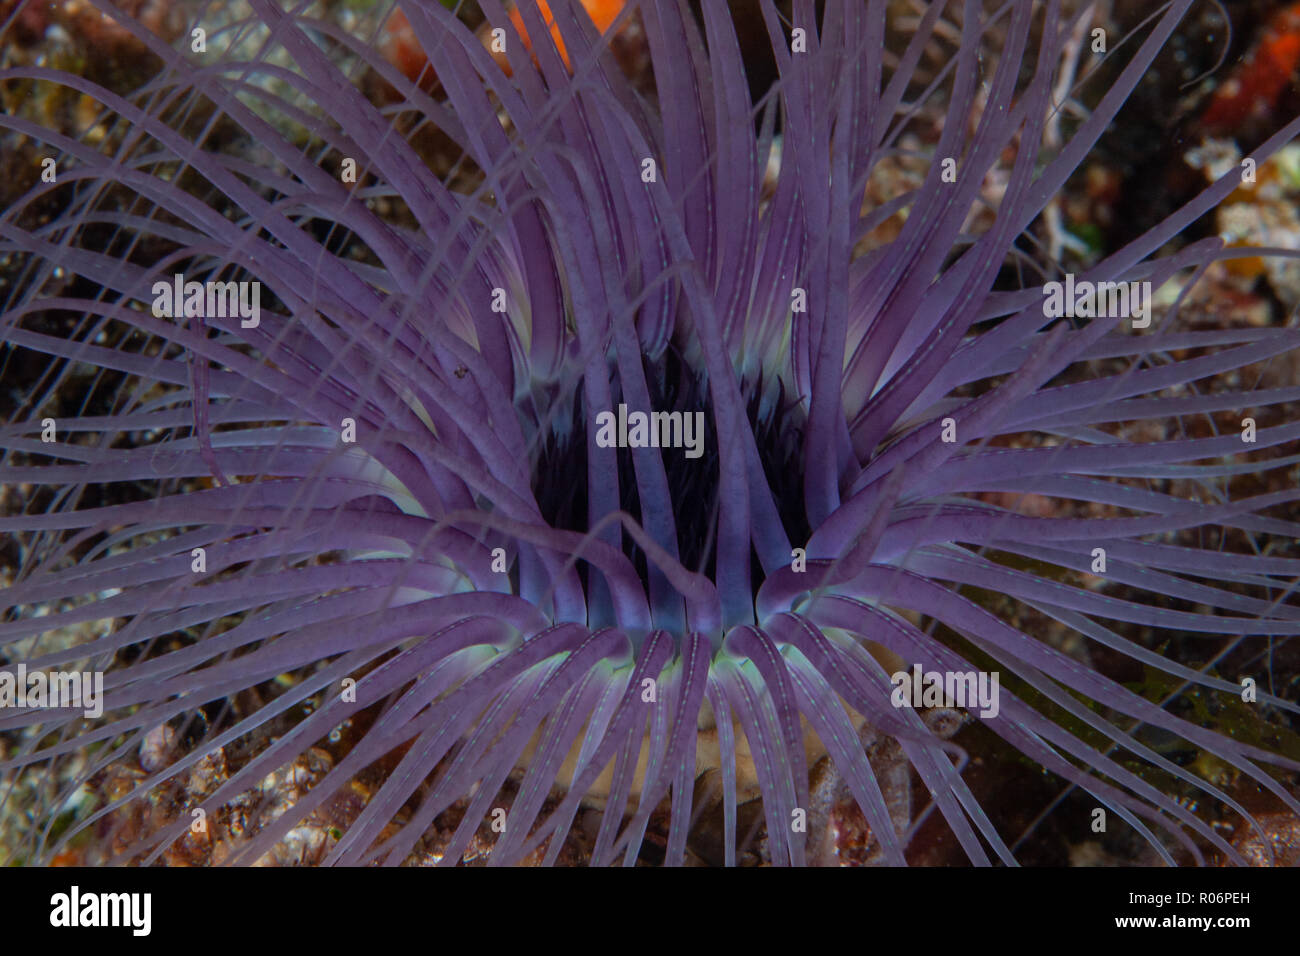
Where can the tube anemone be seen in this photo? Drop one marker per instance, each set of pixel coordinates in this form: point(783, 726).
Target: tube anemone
point(624, 452)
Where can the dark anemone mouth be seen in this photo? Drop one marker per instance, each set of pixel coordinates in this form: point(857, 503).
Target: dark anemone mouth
point(561, 468)
point(370, 577)
point(560, 465)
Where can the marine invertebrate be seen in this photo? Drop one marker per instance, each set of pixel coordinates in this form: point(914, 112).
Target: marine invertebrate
point(385, 486)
